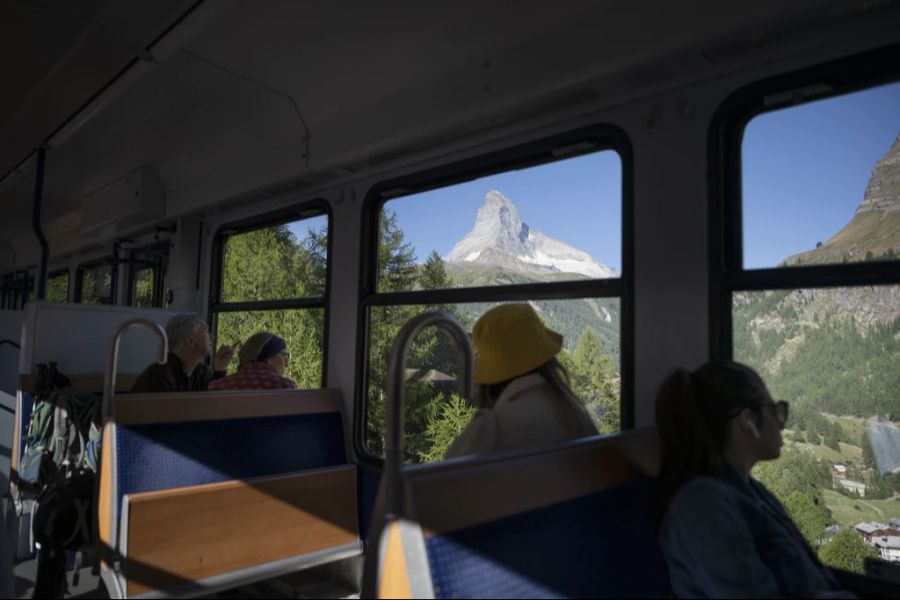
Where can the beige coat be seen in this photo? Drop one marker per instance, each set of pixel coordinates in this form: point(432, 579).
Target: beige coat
point(529, 412)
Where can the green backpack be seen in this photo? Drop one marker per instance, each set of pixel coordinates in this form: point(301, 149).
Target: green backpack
point(63, 422)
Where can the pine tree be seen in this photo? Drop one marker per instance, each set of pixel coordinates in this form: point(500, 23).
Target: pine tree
point(58, 288)
point(595, 380)
point(433, 275)
point(831, 439)
point(868, 456)
point(430, 351)
point(448, 420)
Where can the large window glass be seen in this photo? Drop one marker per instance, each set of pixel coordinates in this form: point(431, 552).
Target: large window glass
point(142, 284)
point(58, 286)
point(96, 284)
point(550, 235)
point(273, 279)
point(833, 353)
point(557, 222)
point(146, 275)
point(821, 182)
point(811, 301)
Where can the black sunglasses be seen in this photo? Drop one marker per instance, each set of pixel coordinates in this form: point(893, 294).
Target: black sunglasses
point(779, 411)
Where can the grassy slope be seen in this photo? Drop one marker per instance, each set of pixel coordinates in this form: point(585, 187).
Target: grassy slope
point(853, 426)
point(850, 511)
point(875, 232)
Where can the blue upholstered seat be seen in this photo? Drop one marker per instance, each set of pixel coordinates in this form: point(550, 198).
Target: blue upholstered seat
point(168, 455)
point(603, 545)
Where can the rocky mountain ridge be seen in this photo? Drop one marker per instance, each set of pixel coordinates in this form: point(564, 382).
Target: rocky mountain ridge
point(500, 238)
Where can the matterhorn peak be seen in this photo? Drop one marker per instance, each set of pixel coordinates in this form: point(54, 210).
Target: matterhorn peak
point(501, 238)
point(497, 197)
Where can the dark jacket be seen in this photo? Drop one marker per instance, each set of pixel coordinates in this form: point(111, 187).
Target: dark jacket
point(170, 377)
point(724, 537)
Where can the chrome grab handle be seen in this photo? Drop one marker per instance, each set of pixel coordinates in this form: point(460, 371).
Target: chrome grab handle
point(109, 380)
point(396, 388)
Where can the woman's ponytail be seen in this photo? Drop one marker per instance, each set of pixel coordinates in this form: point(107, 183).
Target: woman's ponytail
point(692, 415)
point(688, 445)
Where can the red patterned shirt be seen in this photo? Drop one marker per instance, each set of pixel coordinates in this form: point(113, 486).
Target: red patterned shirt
point(253, 376)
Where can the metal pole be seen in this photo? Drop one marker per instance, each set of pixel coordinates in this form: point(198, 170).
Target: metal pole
point(41, 282)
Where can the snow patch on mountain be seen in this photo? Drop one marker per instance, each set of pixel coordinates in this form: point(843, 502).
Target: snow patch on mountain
point(501, 238)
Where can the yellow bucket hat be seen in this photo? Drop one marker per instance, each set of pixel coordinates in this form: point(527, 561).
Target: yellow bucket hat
point(511, 341)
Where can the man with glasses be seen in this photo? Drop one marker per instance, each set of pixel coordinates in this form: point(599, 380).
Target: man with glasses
point(185, 370)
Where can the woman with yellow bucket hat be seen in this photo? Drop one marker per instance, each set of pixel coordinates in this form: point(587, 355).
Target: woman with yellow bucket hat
point(525, 398)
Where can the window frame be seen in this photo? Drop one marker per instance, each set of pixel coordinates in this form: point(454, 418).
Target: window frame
point(554, 148)
point(727, 274)
point(298, 212)
point(159, 267)
point(16, 288)
point(108, 261)
point(59, 273)
point(5, 290)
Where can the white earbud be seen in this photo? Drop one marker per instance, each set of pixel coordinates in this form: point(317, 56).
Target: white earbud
point(753, 429)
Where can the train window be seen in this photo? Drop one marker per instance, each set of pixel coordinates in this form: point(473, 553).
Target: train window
point(95, 284)
point(513, 227)
point(58, 286)
point(806, 292)
point(6, 292)
point(142, 284)
point(435, 413)
point(833, 354)
point(302, 329)
point(276, 263)
point(273, 278)
point(147, 271)
point(821, 181)
point(17, 288)
point(549, 233)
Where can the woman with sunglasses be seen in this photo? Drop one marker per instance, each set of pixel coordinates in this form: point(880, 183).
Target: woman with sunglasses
point(263, 359)
point(723, 534)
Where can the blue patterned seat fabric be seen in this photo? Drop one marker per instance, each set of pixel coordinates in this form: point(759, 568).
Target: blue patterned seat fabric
point(601, 545)
point(167, 455)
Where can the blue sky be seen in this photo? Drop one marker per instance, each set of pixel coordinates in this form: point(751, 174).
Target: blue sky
point(302, 228)
point(578, 201)
point(805, 169)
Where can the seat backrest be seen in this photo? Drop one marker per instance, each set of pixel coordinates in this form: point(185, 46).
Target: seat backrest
point(575, 520)
point(186, 476)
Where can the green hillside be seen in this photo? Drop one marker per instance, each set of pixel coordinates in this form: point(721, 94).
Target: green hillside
point(568, 317)
point(871, 235)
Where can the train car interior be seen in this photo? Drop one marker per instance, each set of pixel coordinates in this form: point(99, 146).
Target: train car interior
point(661, 183)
